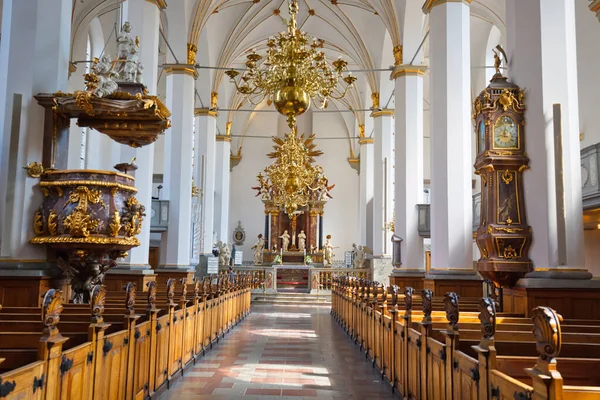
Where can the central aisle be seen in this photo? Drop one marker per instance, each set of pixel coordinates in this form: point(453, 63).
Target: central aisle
point(283, 351)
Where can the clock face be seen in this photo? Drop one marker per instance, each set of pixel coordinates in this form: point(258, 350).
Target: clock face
point(481, 138)
point(506, 133)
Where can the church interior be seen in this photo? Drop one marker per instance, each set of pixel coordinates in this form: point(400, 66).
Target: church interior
point(262, 199)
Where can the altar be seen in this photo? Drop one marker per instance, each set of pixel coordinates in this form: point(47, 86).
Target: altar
point(293, 277)
point(306, 221)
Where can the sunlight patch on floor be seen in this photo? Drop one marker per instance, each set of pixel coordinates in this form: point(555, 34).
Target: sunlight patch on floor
point(286, 315)
point(285, 333)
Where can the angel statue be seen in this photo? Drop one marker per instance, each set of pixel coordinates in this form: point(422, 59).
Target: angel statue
point(361, 256)
point(103, 70)
point(258, 248)
point(224, 253)
point(285, 239)
point(302, 241)
point(263, 188)
point(328, 253)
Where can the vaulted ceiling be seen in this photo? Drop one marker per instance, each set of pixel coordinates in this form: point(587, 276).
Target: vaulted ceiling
point(364, 32)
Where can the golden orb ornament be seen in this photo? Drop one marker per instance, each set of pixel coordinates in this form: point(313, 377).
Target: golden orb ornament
point(291, 100)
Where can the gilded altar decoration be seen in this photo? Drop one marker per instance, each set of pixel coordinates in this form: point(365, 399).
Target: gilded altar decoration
point(115, 101)
point(294, 180)
point(503, 236)
point(294, 71)
point(89, 218)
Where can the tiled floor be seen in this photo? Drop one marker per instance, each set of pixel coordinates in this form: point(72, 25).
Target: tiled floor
point(283, 352)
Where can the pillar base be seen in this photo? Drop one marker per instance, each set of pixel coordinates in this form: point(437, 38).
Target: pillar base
point(571, 297)
point(183, 271)
point(116, 278)
point(403, 277)
point(381, 268)
point(464, 282)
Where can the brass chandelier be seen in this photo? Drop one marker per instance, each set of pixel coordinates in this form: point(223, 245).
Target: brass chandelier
point(293, 73)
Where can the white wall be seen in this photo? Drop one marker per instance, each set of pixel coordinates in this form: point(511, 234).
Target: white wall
point(341, 212)
point(341, 218)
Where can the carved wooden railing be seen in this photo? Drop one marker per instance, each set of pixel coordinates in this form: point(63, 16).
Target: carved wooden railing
point(131, 348)
point(431, 351)
point(321, 279)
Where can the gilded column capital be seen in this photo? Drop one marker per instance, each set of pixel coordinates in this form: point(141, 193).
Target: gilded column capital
point(366, 141)
point(381, 113)
point(214, 99)
point(408, 70)
point(223, 138)
point(191, 54)
point(429, 4)
point(398, 54)
point(185, 69)
point(205, 111)
point(375, 99)
point(161, 4)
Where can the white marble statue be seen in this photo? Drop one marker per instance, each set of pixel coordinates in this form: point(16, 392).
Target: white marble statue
point(127, 64)
point(258, 248)
point(328, 253)
point(361, 256)
point(224, 253)
point(103, 70)
point(302, 241)
point(285, 240)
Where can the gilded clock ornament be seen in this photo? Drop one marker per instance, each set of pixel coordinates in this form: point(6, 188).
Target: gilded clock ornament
point(503, 236)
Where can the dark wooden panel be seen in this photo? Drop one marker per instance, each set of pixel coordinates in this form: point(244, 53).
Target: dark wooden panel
point(403, 281)
point(23, 291)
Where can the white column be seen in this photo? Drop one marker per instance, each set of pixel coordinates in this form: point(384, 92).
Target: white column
point(221, 204)
point(542, 52)
point(409, 162)
point(175, 249)
point(144, 17)
point(366, 192)
point(383, 181)
point(451, 131)
point(34, 57)
point(206, 128)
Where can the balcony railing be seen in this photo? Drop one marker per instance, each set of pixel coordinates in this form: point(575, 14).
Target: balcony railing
point(425, 216)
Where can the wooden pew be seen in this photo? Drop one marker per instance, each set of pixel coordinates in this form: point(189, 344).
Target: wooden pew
point(424, 359)
point(128, 363)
